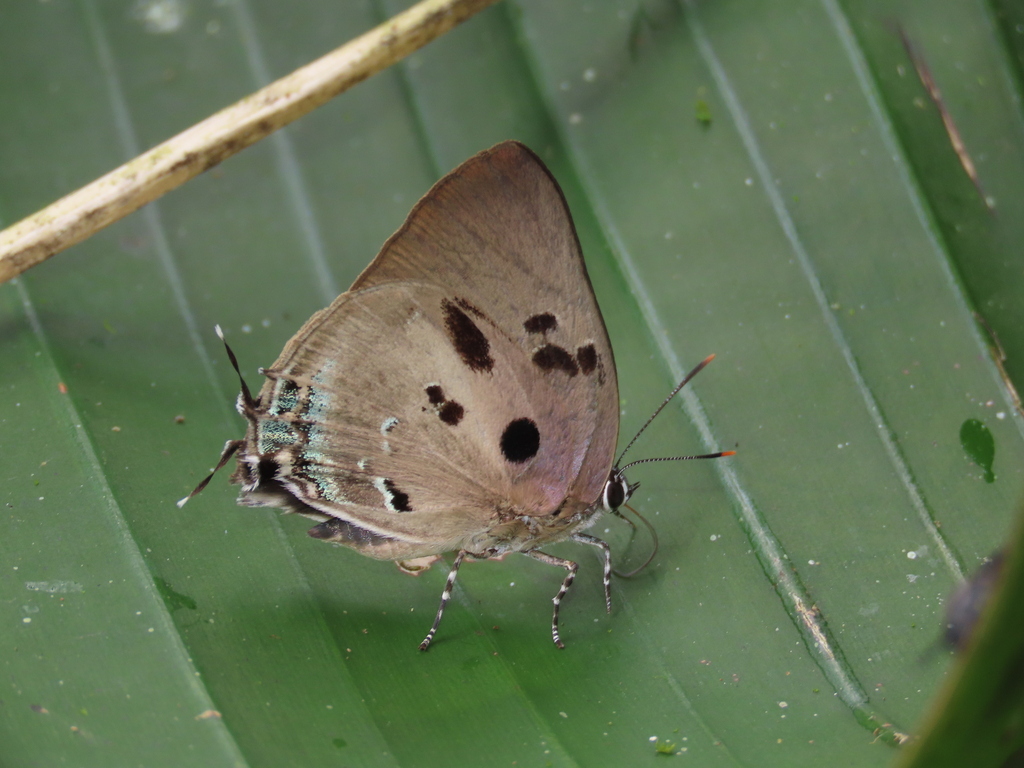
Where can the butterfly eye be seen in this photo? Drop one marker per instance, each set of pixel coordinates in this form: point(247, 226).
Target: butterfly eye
point(616, 491)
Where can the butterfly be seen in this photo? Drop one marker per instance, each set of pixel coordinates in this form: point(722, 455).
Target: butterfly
point(460, 397)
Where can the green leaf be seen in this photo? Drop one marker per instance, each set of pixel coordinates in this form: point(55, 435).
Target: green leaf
point(978, 719)
point(820, 234)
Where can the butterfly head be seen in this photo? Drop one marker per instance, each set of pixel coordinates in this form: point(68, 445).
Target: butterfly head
point(617, 490)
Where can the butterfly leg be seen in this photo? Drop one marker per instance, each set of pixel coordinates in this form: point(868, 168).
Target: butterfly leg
point(571, 567)
point(445, 597)
point(593, 541)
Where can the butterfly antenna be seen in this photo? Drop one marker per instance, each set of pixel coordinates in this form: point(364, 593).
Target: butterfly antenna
point(661, 407)
point(654, 537)
point(247, 400)
point(717, 455)
point(229, 450)
point(245, 403)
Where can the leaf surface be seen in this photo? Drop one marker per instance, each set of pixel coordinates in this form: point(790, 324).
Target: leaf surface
point(769, 182)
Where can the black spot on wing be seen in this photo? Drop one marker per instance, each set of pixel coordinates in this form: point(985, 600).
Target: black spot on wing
point(399, 500)
point(551, 357)
point(343, 531)
point(520, 441)
point(540, 323)
point(451, 413)
point(586, 357)
point(471, 308)
point(468, 340)
point(268, 469)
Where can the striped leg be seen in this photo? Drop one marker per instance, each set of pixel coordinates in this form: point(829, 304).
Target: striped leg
point(445, 597)
point(593, 541)
point(571, 567)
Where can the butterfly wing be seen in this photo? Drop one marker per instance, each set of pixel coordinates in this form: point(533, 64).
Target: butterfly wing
point(464, 382)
